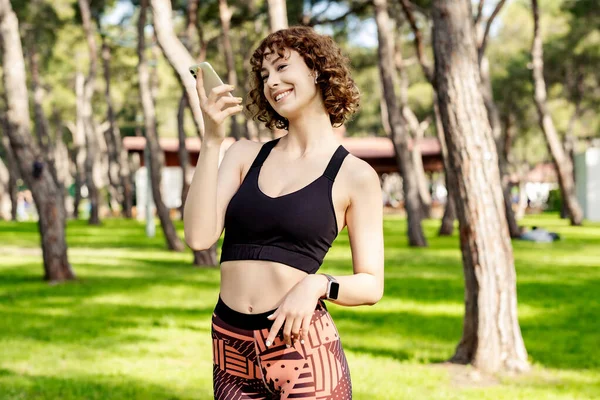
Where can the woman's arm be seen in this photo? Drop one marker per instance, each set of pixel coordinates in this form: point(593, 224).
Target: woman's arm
point(364, 218)
point(212, 186)
point(211, 189)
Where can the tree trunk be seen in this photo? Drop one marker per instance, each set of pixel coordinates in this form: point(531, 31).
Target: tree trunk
point(79, 142)
point(177, 55)
point(5, 189)
point(191, 32)
point(482, 33)
point(46, 194)
point(63, 162)
point(417, 128)
point(277, 15)
point(12, 169)
point(184, 159)
point(447, 226)
point(91, 142)
point(117, 179)
point(41, 122)
point(569, 139)
point(492, 338)
point(225, 15)
point(156, 155)
point(206, 257)
point(193, 29)
point(412, 202)
point(562, 163)
point(523, 200)
point(494, 120)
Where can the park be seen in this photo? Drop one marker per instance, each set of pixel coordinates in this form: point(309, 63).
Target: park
point(484, 137)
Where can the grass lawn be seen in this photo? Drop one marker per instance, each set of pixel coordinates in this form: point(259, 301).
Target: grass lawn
point(136, 325)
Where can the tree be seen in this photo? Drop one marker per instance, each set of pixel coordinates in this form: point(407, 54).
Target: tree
point(225, 16)
point(207, 257)
point(491, 338)
point(562, 163)
point(447, 226)
point(119, 177)
point(482, 34)
point(481, 30)
point(277, 15)
point(11, 169)
point(156, 155)
point(91, 139)
point(179, 58)
point(412, 202)
point(45, 190)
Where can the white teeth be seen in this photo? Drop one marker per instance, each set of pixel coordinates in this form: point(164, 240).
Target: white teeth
point(282, 95)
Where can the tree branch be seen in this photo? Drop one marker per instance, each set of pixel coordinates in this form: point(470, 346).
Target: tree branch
point(481, 49)
point(479, 12)
point(407, 7)
point(353, 10)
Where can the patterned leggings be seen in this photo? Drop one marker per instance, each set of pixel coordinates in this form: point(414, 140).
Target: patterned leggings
point(244, 368)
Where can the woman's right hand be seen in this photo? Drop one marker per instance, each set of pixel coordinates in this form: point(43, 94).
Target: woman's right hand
point(216, 107)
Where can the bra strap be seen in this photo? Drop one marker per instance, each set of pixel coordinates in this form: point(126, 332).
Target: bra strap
point(335, 163)
point(264, 152)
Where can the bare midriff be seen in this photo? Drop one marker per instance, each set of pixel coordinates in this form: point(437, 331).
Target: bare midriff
point(256, 286)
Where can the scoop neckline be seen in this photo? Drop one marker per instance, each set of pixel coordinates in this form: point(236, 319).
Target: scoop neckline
point(287, 194)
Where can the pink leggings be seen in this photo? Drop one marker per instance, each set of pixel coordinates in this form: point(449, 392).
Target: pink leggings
point(244, 368)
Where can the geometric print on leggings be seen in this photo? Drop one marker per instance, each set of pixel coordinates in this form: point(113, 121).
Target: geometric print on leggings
point(244, 368)
point(236, 375)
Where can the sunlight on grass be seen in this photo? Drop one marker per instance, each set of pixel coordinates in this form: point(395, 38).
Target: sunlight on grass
point(136, 323)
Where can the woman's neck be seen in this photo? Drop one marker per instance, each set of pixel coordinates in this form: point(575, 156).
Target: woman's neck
point(309, 133)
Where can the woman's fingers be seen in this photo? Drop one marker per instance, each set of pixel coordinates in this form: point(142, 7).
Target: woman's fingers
point(200, 85)
point(229, 111)
point(280, 319)
point(305, 327)
point(218, 91)
point(226, 100)
point(296, 330)
point(287, 330)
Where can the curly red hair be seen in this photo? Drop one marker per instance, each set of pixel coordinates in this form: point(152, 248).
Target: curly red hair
point(322, 55)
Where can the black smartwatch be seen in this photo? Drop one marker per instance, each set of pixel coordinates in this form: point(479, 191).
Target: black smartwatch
point(333, 288)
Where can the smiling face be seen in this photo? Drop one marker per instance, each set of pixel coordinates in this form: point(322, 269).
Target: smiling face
point(289, 85)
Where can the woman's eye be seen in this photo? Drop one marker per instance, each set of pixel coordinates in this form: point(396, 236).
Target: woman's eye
point(278, 69)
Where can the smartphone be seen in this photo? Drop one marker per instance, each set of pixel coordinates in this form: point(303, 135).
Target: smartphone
point(209, 76)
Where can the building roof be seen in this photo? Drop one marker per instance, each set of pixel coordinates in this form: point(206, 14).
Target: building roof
point(361, 147)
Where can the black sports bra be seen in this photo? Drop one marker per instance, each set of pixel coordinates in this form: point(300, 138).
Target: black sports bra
point(296, 229)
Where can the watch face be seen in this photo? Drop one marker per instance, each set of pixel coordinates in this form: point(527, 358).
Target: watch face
point(334, 289)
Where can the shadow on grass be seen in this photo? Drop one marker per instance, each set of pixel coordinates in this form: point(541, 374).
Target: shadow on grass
point(98, 326)
point(117, 387)
point(560, 326)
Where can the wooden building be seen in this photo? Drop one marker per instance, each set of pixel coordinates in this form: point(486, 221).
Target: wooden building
point(377, 151)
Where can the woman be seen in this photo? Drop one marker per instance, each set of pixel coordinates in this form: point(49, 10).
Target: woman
point(282, 203)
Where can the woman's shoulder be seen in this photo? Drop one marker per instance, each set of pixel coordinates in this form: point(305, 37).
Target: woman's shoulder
point(243, 145)
point(358, 170)
point(357, 175)
point(244, 149)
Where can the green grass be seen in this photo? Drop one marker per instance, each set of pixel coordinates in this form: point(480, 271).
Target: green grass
point(136, 325)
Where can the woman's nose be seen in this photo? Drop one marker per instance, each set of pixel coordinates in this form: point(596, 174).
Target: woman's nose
point(272, 82)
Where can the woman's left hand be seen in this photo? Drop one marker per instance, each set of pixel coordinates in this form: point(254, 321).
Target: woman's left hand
point(296, 310)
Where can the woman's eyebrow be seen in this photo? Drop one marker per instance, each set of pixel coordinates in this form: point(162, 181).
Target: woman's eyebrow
point(271, 62)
